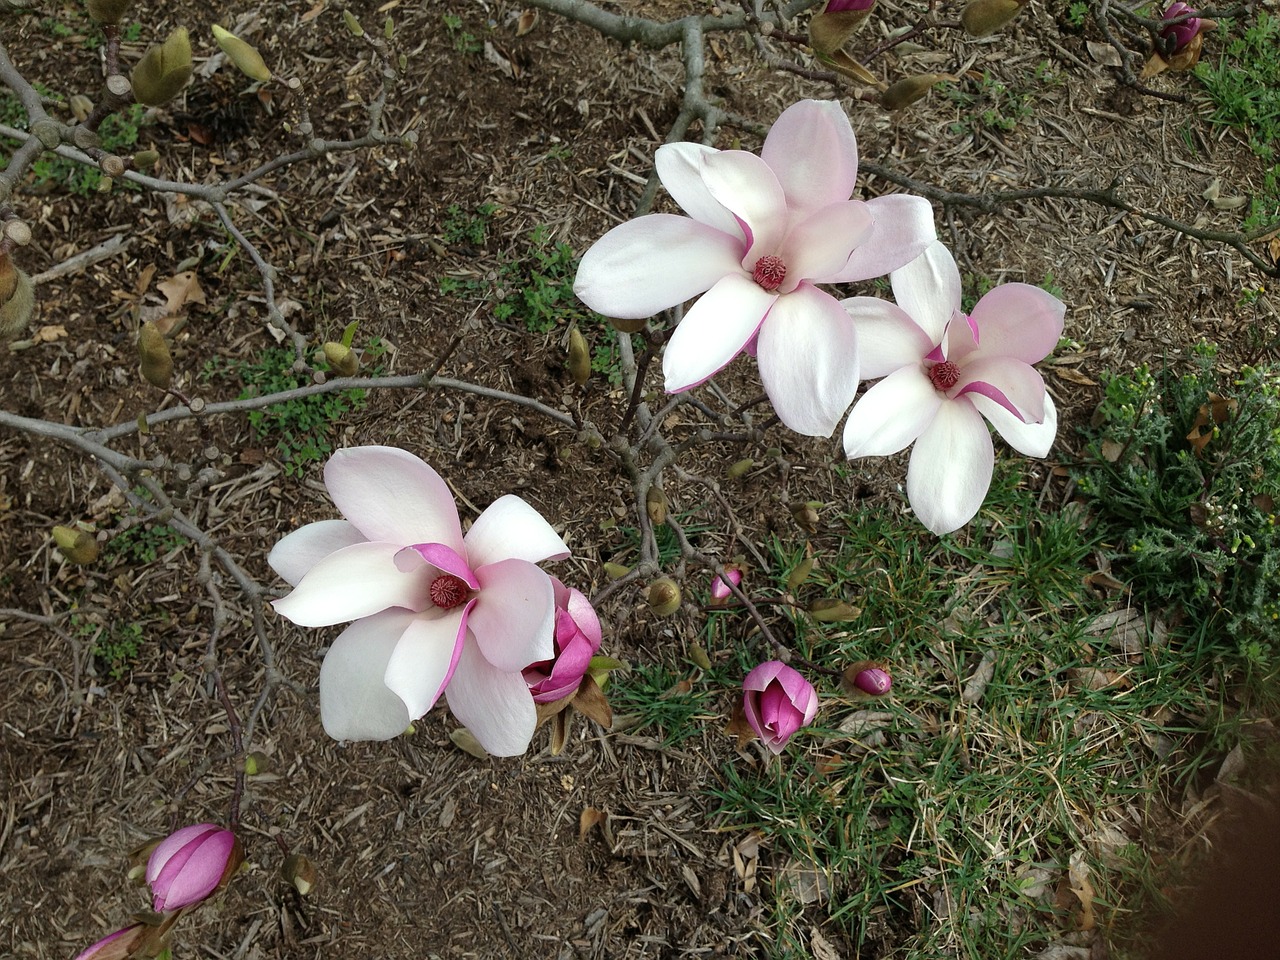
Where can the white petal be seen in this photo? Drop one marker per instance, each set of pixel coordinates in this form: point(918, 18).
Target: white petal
point(355, 703)
point(646, 265)
point(745, 185)
point(1029, 439)
point(514, 618)
point(355, 582)
point(887, 337)
point(391, 495)
point(494, 704)
point(301, 550)
point(808, 356)
point(679, 167)
point(903, 229)
point(950, 469)
point(892, 414)
point(928, 289)
point(714, 331)
point(813, 153)
point(818, 248)
point(510, 528)
point(1019, 383)
point(426, 656)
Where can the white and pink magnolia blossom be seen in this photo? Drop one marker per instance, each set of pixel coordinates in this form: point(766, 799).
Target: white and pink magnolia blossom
point(433, 609)
point(943, 372)
point(761, 232)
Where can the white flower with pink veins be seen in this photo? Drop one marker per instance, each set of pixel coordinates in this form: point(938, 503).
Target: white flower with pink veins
point(761, 232)
point(434, 612)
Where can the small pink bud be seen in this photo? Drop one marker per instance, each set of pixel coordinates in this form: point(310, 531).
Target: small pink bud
point(191, 864)
point(874, 681)
point(1180, 34)
point(720, 592)
point(577, 638)
point(777, 701)
point(115, 946)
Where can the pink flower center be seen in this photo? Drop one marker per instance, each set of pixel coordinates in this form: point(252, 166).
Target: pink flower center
point(769, 273)
point(448, 591)
point(944, 375)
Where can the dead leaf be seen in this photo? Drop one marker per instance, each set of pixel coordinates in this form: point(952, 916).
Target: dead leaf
point(50, 333)
point(1112, 450)
point(588, 819)
point(144, 280)
point(1104, 53)
point(977, 685)
point(738, 726)
point(313, 12)
point(1232, 766)
point(821, 947)
point(808, 884)
point(1075, 376)
point(528, 20)
point(466, 741)
point(1078, 876)
point(180, 290)
point(1093, 678)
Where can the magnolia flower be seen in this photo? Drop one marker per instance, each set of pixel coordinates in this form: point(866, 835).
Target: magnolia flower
point(190, 864)
point(1181, 34)
point(432, 608)
point(720, 592)
point(761, 231)
point(777, 701)
point(116, 946)
point(577, 639)
point(943, 372)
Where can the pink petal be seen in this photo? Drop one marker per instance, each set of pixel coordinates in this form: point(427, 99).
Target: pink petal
point(814, 155)
point(887, 337)
point(391, 495)
point(808, 356)
point(1029, 439)
point(172, 844)
point(950, 469)
point(903, 229)
point(584, 615)
point(115, 946)
point(679, 167)
point(928, 289)
point(493, 704)
point(514, 619)
point(761, 676)
point(892, 414)
point(193, 872)
point(355, 703)
point(1019, 320)
point(426, 657)
point(744, 185)
point(714, 330)
point(820, 245)
point(301, 550)
point(444, 560)
point(511, 529)
point(1011, 383)
point(646, 265)
point(354, 582)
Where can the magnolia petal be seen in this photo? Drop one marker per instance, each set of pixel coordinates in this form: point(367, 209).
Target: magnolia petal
point(903, 229)
point(1019, 320)
point(887, 336)
point(679, 167)
point(1029, 439)
point(494, 704)
point(808, 356)
point(745, 185)
point(928, 289)
point(355, 582)
point(193, 872)
point(443, 559)
point(714, 330)
point(355, 703)
point(510, 528)
point(814, 155)
point(514, 621)
point(169, 847)
point(646, 265)
point(762, 675)
point(950, 469)
point(301, 550)
point(1009, 382)
point(892, 414)
point(820, 246)
point(389, 494)
point(424, 660)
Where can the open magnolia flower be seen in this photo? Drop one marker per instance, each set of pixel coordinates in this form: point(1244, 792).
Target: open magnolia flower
point(432, 608)
point(943, 372)
point(761, 232)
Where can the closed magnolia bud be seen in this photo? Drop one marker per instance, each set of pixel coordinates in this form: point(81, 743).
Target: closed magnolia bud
point(256, 763)
point(579, 357)
point(352, 23)
point(831, 611)
point(627, 325)
point(246, 58)
point(78, 546)
point(107, 11)
point(299, 872)
point(664, 596)
point(873, 681)
point(81, 106)
point(908, 90)
point(806, 514)
point(800, 574)
point(982, 18)
point(342, 359)
point(15, 313)
point(145, 159)
point(655, 504)
point(740, 469)
point(163, 70)
point(8, 278)
point(615, 571)
point(156, 361)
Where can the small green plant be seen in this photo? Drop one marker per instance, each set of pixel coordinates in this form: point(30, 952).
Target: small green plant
point(144, 544)
point(1078, 13)
point(464, 41)
point(118, 648)
point(538, 289)
point(991, 106)
point(1184, 473)
point(463, 229)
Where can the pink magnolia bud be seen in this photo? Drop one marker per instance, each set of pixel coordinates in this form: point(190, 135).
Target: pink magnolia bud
point(874, 681)
point(843, 6)
point(777, 701)
point(720, 592)
point(189, 865)
point(115, 946)
point(1181, 34)
point(577, 639)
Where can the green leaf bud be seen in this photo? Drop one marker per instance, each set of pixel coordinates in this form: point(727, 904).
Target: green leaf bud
point(145, 159)
point(78, 546)
point(579, 357)
point(299, 872)
point(156, 361)
point(352, 23)
point(342, 359)
point(244, 55)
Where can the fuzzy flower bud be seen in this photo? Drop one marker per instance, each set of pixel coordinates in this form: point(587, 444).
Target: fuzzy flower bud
point(78, 546)
point(831, 29)
point(777, 701)
point(16, 311)
point(163, 70)
point(577, 638)
point(908, 90)
point(655, 504)
point(153, 352)
point(579, 357)
point(342, 359)
point(107, 11)
point(191, 865)
point(982, 18)
point(244, 55)
point(664, 596)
